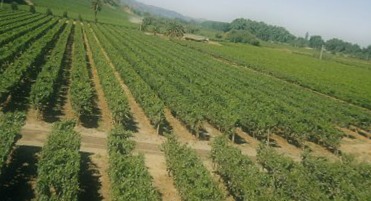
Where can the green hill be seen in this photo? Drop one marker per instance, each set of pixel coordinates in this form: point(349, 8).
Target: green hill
point(110, 13)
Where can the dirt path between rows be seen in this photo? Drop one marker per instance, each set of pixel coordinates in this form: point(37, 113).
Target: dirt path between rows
point(67, 107)
point(156, 165)
point(178, 128)
point(283, 147)
point(97, 162)
point(106, 118)
point(356, 144)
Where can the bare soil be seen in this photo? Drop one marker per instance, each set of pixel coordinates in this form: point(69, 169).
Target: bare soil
point(178, 128)
point(282, 146)
point(162, 181)
point(320, 151)
point(357, 145)
point(67, 107)
point(211, 131)
point(250, 144)
point(94, 181)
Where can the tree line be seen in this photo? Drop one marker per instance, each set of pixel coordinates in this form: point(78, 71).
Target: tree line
point(248, 31)
point(244, 30)
point(335, 46)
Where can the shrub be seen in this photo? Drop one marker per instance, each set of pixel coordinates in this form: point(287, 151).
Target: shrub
point(14, 6)
point(65, 14)
point(242, 36)
point(32, 9)
point(80, 18)
point(49, 11)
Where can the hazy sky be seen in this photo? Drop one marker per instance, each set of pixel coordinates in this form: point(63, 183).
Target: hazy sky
point(349, 20)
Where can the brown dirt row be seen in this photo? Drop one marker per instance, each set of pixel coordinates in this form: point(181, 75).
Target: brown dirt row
point(67, 107)
point(156, 165)
point(99, 159)
point(282, 146)
point(106, 118)
point(178, 128)
point(357, 145)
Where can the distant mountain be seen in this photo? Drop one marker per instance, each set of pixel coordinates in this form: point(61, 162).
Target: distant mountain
point(154, 10)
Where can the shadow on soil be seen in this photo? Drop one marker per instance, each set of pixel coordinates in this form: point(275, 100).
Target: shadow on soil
point(53, 111)
point(238, 140)
point(20, 174)
point(91, 121)
point(130, 124)
point(89, 179)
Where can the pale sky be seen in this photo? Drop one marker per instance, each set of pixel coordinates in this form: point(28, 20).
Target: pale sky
point(349, 20)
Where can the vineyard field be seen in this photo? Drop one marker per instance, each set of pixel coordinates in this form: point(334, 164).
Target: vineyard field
point(347, 81)
point(102, 111)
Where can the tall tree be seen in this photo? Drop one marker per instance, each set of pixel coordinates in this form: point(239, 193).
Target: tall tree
point(96, 6)
point(263, 31)
point(175, 30)
point(316, 42)
point(368, 52)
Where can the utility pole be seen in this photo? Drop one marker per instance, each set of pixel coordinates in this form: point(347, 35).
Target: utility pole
point(2, 1)
point(322, 49)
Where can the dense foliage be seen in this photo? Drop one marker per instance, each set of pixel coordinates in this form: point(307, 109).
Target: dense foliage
point(44, 88)
point(14, 73)
point(219, 26)
point(12, 34)
point(17, 21)
point(10, 50)
point(10, 125)
point(328, 77)
point(191, 178)
point(262, 30)
point(340, 180)
point(289, 179)
point(242, 177)
point(242, 36)
point(130, 179)
point(336, 45)
point(283, 179)
point(81, 91)
point(316, 42)
point(59, 166)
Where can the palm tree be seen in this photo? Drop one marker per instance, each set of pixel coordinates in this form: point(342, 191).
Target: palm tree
point(96, 6)
point(175, 30)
